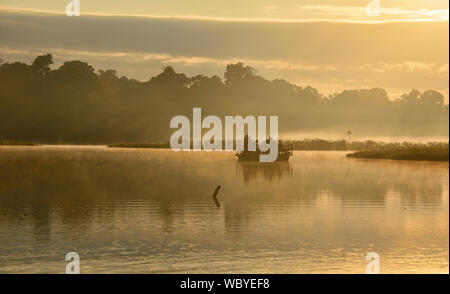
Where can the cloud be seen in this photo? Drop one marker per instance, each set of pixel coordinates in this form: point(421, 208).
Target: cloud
point(358, 13)
point(407, 66)
point(303, 14)
point(139, 57)
point(389, 55)
point(310, 43)
point(444, 69)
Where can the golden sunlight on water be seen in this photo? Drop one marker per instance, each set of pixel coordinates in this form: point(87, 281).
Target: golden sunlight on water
point(151, 211)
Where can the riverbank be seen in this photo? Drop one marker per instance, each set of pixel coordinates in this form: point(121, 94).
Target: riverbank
point(432, 151)
point(16, 143)
point(141, 145)
point(406, 151)
point(319, 145)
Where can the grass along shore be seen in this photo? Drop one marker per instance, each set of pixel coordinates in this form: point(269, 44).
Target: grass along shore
point(432, 151)
point(406, 151)
point(16, 143)
point(141, 145)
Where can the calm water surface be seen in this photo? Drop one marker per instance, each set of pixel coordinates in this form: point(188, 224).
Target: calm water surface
point(151, 211)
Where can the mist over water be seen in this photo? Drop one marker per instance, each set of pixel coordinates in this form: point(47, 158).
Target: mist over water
point(151, 211)
point(341, 135)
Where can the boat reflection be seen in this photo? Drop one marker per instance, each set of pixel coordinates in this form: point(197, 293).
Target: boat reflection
point(268, 171)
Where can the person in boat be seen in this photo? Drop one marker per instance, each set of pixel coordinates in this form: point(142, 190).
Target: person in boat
point(246, 140)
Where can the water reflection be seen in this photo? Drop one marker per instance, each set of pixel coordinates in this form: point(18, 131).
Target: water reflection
point(152, 211)
point(269, 172)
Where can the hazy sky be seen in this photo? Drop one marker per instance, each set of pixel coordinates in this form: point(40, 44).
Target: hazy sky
point(252, 9)
point(332, 45)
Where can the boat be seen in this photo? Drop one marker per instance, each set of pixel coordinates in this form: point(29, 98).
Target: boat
point(284, 152)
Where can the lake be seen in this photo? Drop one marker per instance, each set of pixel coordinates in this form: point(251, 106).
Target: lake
point(151, 211)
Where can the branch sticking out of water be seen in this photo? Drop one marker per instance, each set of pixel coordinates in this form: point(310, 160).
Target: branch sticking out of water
point(214, 196)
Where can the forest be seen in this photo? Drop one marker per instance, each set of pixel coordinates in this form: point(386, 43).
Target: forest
point(77, 104)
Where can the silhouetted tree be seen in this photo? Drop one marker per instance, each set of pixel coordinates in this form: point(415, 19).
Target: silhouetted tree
point(42, 63)
point(237, 72)
point(76, 104)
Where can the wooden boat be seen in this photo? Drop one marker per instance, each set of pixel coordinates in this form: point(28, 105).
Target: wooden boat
point(283, 152)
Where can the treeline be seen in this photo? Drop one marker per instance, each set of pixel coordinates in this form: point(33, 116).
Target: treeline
point(321, 145)
point(335, 145)
point(76, 104)
point(16, 143)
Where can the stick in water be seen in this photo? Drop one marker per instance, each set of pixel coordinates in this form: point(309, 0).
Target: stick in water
point(214, 196)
